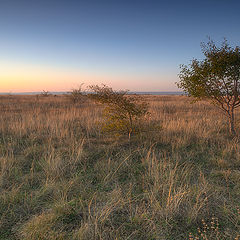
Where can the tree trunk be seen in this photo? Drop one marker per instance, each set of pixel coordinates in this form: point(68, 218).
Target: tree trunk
point(231, 122)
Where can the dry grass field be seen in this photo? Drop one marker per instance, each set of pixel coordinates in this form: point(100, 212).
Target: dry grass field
point(62, 178)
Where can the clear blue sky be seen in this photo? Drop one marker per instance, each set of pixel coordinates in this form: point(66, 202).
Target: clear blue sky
point(128, 44)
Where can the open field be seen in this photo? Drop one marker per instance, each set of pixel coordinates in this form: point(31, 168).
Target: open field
point(62, 178)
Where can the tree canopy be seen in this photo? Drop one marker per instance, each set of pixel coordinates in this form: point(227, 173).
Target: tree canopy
point(216, 77)
point(122, 112)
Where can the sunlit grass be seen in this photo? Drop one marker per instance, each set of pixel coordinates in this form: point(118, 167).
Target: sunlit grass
point(62, 178)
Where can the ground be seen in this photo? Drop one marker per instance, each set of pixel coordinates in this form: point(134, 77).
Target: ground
point(61, 177)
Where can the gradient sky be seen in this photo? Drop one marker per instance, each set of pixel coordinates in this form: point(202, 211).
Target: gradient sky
point(138, 45)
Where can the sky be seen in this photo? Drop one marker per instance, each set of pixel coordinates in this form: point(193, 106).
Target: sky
point(55, 45)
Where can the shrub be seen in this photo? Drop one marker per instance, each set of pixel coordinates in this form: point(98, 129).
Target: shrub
point(45, 93)
point(77, 95)
point(122, 113)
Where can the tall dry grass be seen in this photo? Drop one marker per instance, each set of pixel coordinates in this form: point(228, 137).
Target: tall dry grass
point(62, 178)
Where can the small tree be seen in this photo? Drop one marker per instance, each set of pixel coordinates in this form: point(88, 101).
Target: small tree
point(45, 93)
point(121, 112)
point(77, 95)
point(215, 78)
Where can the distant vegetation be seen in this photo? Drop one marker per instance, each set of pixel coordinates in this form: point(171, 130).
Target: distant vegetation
point(62, 177)
point(77, 95)
point(45, 93)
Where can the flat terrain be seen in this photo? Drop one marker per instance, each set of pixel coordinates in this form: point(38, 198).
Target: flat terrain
point(62, 178)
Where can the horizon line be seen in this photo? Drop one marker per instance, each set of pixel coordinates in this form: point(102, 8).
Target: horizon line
point(67, 92)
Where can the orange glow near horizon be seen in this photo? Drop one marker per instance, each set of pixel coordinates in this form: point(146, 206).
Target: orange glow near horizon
point(30, 78)
point(15, 77)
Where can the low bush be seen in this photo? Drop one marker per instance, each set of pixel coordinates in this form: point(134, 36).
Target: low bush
point(122, 113)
